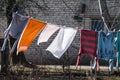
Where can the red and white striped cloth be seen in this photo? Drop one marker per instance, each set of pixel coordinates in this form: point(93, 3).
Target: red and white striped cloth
point(88, 44)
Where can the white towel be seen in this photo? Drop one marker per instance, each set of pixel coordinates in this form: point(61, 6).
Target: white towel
point(62, 41)
point(47, 33)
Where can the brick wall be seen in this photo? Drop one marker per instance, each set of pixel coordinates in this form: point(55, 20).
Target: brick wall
point(61, 14)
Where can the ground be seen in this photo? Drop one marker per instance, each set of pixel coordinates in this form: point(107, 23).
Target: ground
point(56, 73)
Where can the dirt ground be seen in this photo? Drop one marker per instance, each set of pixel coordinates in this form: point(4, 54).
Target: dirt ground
point(44, 73)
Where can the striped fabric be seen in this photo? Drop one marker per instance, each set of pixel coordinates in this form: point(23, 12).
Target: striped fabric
point(88, 44)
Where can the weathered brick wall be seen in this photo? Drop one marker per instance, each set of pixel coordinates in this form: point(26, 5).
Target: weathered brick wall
point(60, 12)
point(2, 24)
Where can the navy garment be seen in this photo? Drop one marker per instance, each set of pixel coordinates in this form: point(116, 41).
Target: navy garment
point(97, 25)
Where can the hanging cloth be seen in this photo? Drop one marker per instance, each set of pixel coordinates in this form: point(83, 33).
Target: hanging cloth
point(62, 41)
point(15, 28)
point(47, 32)
point(88, 43)
point(117, 44)
point(14, 46)
point(29, 34)
point(18, 24)
point(106, 47)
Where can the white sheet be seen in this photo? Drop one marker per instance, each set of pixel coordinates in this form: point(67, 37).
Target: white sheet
point(62, 41)
point(47, 32)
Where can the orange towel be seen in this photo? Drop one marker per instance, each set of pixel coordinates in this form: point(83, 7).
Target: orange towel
point(29, 33)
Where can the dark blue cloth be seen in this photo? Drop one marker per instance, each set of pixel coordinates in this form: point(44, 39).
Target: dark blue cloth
point(117, 44)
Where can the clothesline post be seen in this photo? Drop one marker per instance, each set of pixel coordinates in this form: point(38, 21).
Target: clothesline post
point(68, 64)
point(5, 58)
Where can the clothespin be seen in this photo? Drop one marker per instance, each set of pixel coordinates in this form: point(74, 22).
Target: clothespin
point(113, 30)
point(76, 28)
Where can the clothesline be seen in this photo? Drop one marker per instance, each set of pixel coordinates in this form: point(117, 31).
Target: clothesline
point(16, 31)
point(26, 29)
